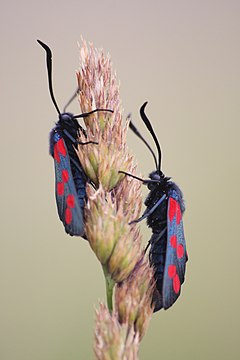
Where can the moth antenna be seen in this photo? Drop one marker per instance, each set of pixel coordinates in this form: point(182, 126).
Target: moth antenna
point(49, 71)
point(149, 126)
point(76, 92)
point(136, 132)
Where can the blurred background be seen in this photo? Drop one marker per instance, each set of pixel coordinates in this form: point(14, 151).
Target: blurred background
point(181, 56)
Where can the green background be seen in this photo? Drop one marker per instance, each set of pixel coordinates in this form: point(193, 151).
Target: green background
point(181, 56)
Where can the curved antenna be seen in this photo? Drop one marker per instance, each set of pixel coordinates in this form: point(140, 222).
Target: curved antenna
point(49, 71)
point(149, 126)
point(136, 132)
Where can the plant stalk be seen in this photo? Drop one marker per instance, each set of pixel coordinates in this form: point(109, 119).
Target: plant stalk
point(110, 283)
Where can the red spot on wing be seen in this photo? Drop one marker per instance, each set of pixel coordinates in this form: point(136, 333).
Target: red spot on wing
point(56, 154)
point(172, 270)
point(70, 201)
point(68, 216)
point(176, 284)
point(180, 251)
point(65, 175)
point(173, 241)
point(60, 188)
point(179, 214)
point(61, 147)
point(172, 208)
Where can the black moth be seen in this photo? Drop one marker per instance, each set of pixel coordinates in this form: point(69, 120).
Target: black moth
point(70, 185)
point(165, 207)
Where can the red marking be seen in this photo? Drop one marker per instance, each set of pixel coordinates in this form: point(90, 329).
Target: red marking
point(61, 147)
point(172, 208)
point(68, 216)
point(65, 175)
point(173, 241)
point(176, 284)
point(60, 188)
point(56, 154)
point(172, 271)
point(180, 251)
point(179, 214)
point(70, 201)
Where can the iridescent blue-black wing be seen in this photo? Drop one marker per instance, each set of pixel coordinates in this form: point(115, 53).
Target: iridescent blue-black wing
point(69, 209)
point(176, 254)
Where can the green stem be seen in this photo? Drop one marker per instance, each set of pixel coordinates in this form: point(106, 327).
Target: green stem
point(110, 283)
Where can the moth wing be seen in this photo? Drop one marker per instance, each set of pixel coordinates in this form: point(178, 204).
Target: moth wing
point(69, 209)
point(176, 255)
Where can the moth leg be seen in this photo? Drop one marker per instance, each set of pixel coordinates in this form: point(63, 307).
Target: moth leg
point(156, 240)
point(83, 115)
point(76, 142)
point(76, 164)
point(145, 181)
point(148, 212)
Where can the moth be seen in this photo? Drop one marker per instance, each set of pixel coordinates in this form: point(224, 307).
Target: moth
point(70, 179)
point(164, 210)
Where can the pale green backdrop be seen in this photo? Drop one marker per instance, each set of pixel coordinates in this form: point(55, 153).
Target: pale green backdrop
point(184, 58)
